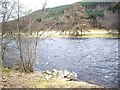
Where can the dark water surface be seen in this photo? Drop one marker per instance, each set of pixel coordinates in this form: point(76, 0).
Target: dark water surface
point(95, 60)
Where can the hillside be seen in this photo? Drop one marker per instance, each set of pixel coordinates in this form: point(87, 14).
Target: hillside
point(93, 14)
point(94, 10)
point(57, 11)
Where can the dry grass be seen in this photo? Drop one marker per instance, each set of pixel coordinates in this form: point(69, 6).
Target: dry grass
point(93, 33)
point(16, 79)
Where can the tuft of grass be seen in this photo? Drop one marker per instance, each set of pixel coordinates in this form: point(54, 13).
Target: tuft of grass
point(43, 83)
point(5, 71)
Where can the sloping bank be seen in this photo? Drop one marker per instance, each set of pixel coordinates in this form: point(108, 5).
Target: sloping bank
point(15, 79)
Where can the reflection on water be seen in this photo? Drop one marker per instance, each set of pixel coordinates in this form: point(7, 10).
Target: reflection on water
point(95, 60)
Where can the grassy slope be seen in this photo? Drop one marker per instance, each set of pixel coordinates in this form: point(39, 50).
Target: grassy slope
point(15, 79)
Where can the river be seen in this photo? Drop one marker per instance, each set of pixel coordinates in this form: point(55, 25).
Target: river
point(95, 60)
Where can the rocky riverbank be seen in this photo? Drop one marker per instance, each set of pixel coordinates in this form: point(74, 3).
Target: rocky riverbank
point(15, 79)
point(63, 74)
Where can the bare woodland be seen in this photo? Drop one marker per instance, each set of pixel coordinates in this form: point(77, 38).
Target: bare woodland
point(13, 10)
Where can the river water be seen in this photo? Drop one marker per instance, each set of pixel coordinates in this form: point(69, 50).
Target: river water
point(95, 60)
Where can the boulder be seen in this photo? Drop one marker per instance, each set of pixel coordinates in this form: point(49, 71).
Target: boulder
point(63, 73)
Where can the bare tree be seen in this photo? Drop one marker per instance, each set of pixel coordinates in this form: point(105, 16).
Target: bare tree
point(27, 45)
point(6, 14)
